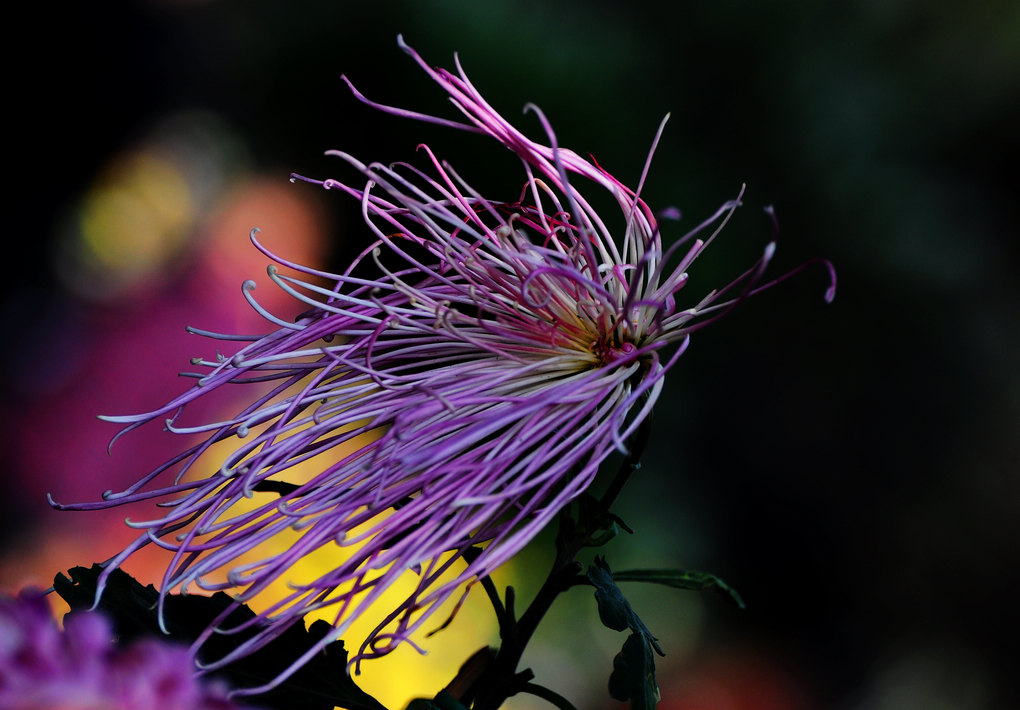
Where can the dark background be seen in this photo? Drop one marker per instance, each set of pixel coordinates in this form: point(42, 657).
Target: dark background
point(851, 468)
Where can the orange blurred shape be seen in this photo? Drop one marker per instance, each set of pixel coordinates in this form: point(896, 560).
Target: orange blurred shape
point(292, 223)
point(734, 679)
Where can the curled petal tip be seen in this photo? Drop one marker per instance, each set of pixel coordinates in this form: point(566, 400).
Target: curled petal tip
point(830, 293)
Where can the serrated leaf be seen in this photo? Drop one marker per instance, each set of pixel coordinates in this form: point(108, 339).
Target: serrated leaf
point(615, 611)
point(633, 676)
point(681, 579)
point(320, 684)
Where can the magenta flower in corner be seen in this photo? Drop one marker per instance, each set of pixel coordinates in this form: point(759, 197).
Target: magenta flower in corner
point(80, 668)
point(499, 350)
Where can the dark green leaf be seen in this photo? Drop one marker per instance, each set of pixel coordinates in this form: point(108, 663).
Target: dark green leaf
point(633, 676)
point(680, 579)
point(320, 684)
point(615, 611)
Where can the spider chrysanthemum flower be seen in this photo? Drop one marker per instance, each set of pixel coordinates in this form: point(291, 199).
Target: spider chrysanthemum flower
point(514, 346)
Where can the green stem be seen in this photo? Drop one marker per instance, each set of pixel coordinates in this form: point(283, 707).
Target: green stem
point(551, 696)
point(502, 680)
point(631, 463)
point(470, 555)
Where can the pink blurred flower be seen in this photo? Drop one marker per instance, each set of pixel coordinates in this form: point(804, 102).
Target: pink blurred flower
point(80, 668)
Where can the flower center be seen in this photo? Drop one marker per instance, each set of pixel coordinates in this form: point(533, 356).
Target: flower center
point(608, 349)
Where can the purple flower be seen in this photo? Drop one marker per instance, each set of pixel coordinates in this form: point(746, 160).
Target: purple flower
point(506, 349)
point(81, 669)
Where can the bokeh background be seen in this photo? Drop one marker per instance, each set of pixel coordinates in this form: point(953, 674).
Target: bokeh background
point(852, 469)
